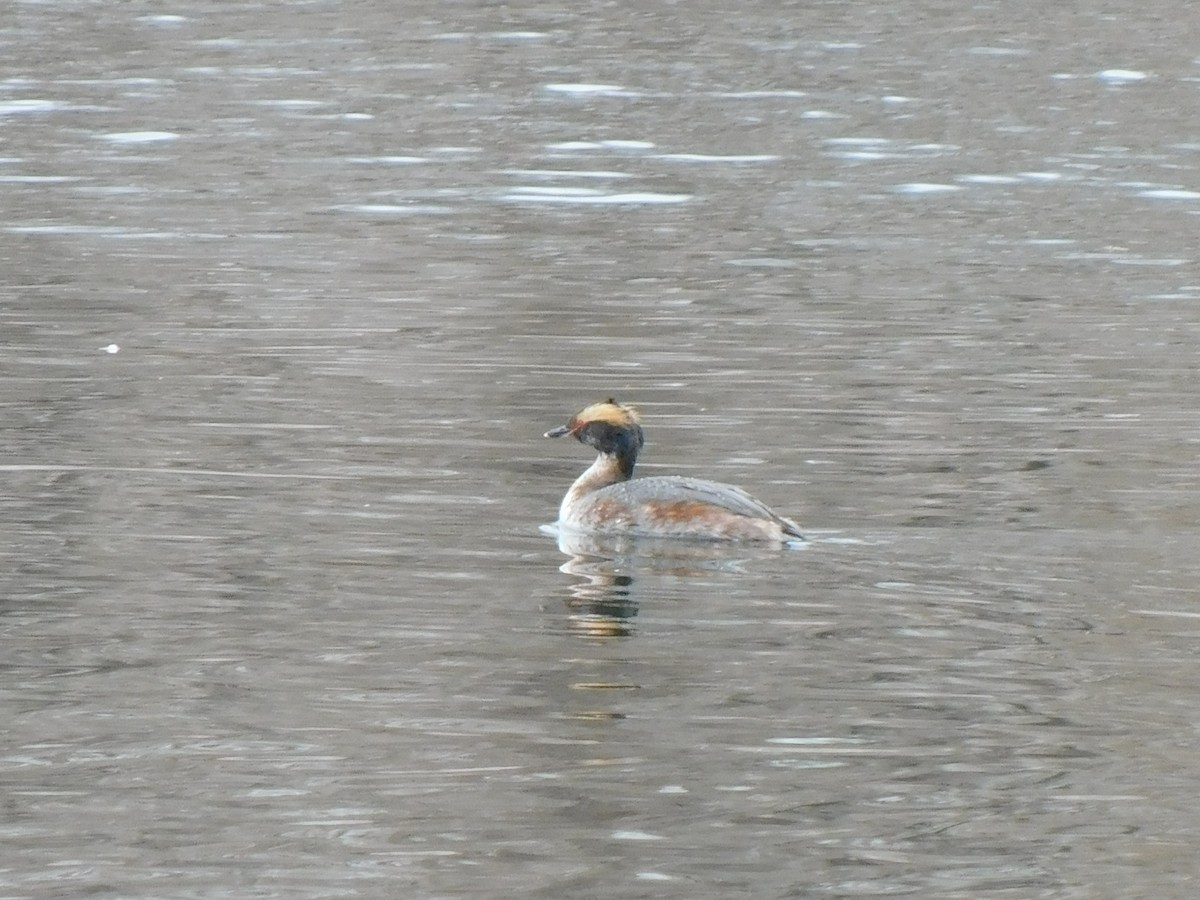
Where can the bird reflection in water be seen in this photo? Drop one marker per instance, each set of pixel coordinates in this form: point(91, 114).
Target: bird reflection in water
point(605, 601)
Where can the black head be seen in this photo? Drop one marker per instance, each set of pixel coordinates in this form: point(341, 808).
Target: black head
point(611, 427)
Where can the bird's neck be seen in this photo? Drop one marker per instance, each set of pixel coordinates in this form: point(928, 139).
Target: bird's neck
point(609, 468)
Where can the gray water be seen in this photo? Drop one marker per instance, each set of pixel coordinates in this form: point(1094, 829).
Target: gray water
point(289, 295)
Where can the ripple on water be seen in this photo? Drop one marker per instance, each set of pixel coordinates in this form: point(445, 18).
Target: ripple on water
point(757, 95)
point(989, 179)
point(21, 107)
point(38, 179)
point(113, 232)
point(926, 188)
point(519, 35)
point(138, 137)
point(601, 145)
point(590, 90)
point(709, 158)
point(386, 160)
point(1121, 76)
point(1169, 194)
point(561, 173)
point(872, 148)
point(587, 196)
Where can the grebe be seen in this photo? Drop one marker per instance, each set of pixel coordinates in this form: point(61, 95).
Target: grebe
point(604, 499)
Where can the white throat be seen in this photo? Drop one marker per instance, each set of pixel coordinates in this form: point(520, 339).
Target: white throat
point(603, 471)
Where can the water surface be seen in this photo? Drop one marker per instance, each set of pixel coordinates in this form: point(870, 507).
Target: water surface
point(289, 299)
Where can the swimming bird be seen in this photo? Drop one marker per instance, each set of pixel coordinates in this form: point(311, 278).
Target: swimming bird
point(607, 499)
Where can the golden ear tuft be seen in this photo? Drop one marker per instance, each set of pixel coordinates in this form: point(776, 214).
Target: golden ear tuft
point(622, 415)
